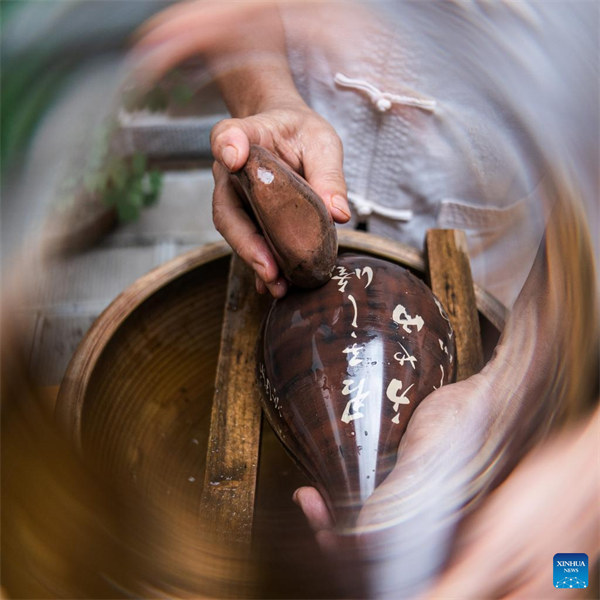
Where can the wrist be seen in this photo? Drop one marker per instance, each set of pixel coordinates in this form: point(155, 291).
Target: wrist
point(255, 83)
point(250, 65)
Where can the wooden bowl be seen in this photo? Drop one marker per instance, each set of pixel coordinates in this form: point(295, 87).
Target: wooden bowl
point(136, 397)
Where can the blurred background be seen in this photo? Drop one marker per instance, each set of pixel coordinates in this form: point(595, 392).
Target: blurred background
point(96, 192)
point(99, 186)
point(62, 101)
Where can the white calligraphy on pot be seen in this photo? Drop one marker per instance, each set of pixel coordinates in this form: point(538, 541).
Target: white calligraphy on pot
point(343, 275)
point(405, 356)
point(397, 396)
point(352, 389)
point(401, 316)
point(355, 403)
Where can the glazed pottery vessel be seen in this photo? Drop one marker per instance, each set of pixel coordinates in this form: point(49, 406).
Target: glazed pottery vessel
point(342, 368)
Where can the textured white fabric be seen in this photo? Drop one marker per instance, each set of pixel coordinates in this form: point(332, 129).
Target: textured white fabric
point(499, 77)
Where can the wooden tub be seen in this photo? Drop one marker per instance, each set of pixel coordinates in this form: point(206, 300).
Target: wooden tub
point(136, 401)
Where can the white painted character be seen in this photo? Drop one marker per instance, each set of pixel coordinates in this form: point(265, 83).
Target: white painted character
point(393, 393)
point(354, 352)
point(342, 278)
point(401, 316)
point(367, 272)
point(353, 406)
point(405, 356)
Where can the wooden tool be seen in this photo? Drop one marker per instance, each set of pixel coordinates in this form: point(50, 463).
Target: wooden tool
point(303, 239)
point(294, 221)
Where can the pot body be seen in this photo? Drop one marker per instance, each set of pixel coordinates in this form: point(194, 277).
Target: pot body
point(342, 368)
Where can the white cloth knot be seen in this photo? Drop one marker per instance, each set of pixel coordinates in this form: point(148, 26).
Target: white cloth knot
point(364, 208)
point(383, 101)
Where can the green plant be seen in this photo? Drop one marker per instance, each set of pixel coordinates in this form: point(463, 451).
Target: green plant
point(126, 184)
point(174, 89)
point(122, 182)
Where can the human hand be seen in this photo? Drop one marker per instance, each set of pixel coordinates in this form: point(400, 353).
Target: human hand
point(306, 143)
point(548, 504)
point(466, 437)
point(455, 449)
point(244, 46)
point(444, 460)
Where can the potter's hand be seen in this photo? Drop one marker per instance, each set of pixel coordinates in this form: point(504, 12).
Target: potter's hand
point(406, 525)
point(466, 437)
point(243, 46)
point(504, 549)
point(307, 143)
point(547, 505)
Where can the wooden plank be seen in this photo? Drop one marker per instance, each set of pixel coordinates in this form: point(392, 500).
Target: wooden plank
point(451, 281)
point(227, 503)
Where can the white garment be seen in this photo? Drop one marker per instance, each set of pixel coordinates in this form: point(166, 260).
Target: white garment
point(497, 76)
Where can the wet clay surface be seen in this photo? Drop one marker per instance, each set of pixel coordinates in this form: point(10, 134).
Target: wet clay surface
point(292, 217)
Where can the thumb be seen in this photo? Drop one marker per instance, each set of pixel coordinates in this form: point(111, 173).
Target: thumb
point(230, 141)
point(314, 508)
point(323, 169)
point(439, 457)
point(409, 520)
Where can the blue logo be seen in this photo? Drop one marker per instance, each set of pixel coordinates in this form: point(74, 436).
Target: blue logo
point(571, 571)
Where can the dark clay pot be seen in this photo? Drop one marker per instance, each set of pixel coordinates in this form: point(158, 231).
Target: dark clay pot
point(343, 367)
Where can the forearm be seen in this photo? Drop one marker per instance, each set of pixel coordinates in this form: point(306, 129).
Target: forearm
point(242, 44)
point(544, 368)
point(250, 65)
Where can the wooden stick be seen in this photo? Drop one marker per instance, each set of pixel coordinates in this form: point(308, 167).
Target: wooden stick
point(227, 503)
point(451, 281)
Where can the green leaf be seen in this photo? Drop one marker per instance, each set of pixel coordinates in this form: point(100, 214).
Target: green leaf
point(155, 100)
point(182, 94)
point(151, 185)
point(127, 212)
point(111, 198)
point(136, 198)
point(138, 163)
point(118, 174)
point(156, 179)
point(25, 99)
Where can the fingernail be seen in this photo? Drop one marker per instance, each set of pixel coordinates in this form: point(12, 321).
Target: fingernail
point(295, 498)
point(229, 156)
point(340, 206)
point(278, 288)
